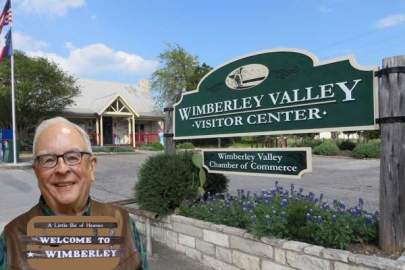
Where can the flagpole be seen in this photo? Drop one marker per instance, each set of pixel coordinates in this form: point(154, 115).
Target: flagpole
point(13, 100)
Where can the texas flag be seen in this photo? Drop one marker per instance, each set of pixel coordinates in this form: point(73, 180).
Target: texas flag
point(5, 16)
point(7, 49)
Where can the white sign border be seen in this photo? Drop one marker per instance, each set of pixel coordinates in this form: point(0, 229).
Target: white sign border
point(308, 151)
point(316, 63)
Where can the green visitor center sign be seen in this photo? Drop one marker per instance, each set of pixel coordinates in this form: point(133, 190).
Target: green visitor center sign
point(278, 92)
point(278, 162)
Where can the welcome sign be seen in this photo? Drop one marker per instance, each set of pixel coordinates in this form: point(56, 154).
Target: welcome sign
point(278, 92)
point(73, 242)
point(277, 162)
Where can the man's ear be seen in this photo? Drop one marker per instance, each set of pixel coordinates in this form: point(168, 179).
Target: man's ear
point(93, 163)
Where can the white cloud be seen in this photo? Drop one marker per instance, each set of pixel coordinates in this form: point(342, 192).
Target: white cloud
point(91, 61)
point(390, 21)
point(49, 7)
point(26, 43)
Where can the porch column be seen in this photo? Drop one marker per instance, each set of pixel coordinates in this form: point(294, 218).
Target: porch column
point(97, 132)
point(129, 130)
point(133, 131)
point(101, 131)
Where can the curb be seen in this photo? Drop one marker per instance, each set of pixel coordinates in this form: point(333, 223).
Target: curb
point(11, 166)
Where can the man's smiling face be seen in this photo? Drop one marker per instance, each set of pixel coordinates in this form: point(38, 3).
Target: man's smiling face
point(64, 187)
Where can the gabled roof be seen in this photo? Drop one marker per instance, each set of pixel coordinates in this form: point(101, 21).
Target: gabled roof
point(96, 96)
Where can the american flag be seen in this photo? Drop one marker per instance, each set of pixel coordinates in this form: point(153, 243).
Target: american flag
point(6, 16)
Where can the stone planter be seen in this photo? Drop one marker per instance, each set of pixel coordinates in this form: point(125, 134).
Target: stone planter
point(227, 248)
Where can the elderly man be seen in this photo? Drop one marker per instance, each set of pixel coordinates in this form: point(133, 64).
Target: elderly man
point(65, 168)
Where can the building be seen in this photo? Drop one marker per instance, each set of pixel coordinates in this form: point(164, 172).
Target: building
point(115, 113)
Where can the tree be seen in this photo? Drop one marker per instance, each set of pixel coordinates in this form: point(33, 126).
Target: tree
point(199, 72)
point(180, 70)
point(42, 90)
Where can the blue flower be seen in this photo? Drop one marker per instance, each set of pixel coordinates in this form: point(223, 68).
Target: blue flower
point(292, 188)
point(333, 218)
point(369, 219)
point(308, 217)
point(284, 202)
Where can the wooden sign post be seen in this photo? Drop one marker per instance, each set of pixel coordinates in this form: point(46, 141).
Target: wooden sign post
point(170, 146)
point(392, 168)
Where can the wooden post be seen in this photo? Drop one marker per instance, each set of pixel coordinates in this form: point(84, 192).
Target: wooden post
point(170, 146)
point(392, 166)
point(101, 131)
point(97, 132)
point(133, 132)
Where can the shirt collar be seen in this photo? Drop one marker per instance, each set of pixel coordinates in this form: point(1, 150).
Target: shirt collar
point(48, 211)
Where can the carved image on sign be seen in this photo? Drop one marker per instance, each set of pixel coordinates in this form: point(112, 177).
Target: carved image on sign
point(278, 92)
point(277, 162)
point(87, 242)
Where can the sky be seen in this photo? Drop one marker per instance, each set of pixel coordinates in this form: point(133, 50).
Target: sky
point(121, 40)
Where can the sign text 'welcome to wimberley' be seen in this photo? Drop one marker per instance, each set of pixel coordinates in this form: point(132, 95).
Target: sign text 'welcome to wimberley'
point(87, 242)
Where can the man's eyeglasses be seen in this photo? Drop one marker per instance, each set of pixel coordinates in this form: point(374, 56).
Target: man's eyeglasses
point(70, 158)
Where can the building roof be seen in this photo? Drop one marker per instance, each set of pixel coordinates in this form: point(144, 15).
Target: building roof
point(95, 96)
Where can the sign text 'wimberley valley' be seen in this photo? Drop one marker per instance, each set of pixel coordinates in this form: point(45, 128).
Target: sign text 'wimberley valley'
point(287, 101)
point(274, 93)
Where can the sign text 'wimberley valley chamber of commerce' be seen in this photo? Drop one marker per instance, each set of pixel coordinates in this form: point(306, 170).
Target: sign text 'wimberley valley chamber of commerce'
point(280, 162)
point(277, 92)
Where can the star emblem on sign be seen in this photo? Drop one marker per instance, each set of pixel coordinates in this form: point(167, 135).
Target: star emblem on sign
point(30, 254)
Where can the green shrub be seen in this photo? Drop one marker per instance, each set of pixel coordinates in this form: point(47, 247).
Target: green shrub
point(346, 145)
point(327, 148)
point(165, 181)
point(155, 146)
point(185, 145)
point(216, 183)
point(112, 149)
point(306, 142)
point(371, 149)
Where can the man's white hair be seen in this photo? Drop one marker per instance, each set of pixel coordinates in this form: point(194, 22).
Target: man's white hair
point(60, 120)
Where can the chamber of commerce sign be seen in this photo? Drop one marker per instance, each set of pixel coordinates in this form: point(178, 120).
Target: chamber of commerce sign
point(278, 162)
point(278, 92)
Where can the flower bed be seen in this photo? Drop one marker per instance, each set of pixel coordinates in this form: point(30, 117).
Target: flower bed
point(289, 214)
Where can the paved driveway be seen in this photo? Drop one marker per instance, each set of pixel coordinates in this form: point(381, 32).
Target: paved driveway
point(338, 178)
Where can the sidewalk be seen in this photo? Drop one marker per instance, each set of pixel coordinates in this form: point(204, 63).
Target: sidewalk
point(167, 259)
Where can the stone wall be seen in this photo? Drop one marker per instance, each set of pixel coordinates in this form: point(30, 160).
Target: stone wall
point(227, 248)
